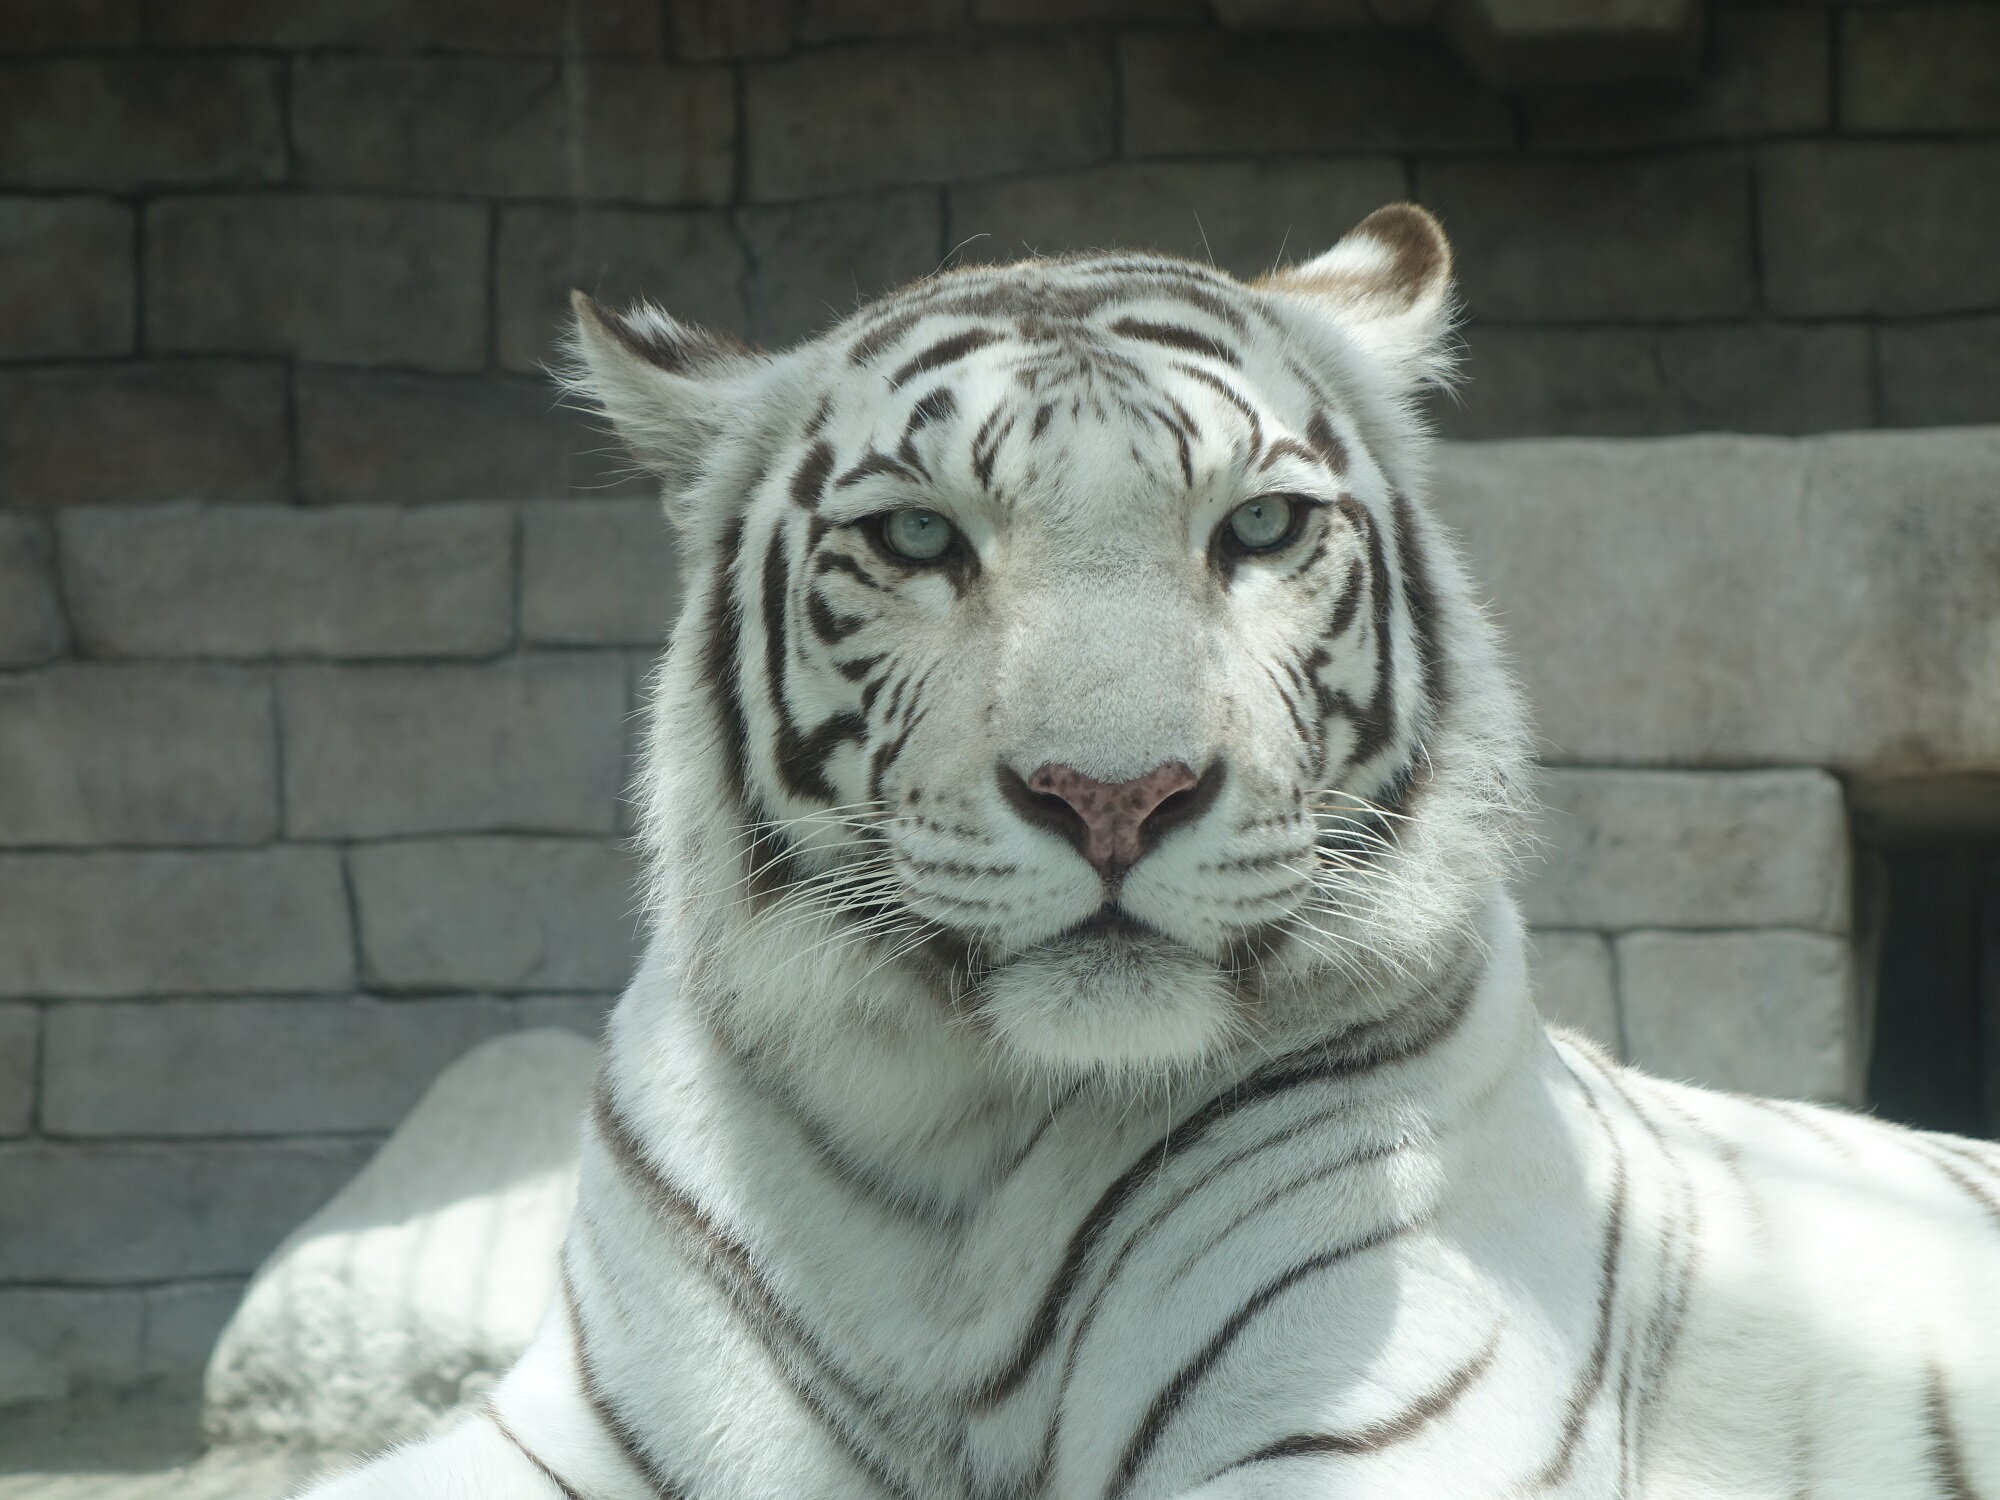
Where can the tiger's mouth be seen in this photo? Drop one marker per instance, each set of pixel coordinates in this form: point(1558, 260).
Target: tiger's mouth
point(1111, 921)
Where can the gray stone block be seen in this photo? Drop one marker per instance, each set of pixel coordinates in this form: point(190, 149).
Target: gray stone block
point(815, 262)
point(1747, 601)
point(20, 1041)
point(134, 433)
point(137, 755)
point(31, 625)
point(600, 573)
point(904, 112)
point(1085, 12)
point(254, 581)
point(1925, 68)
point(635, 132)
point(1761, 1012)
point(145, 1212)
point(342, 279)
point(1194, 94)
point(1880, 226)
point(501, 26)
point(183, 1321)
point(503, 914)
point(523, 745)
point(858, 20)
point(293, 1067)
point(1624, 849)
point(91, 1336)
point(1574, 985)
point(1939, 373)
point(582, 1014)
point(67, 281)
point(104, 925)
point(688, 262)
point(36, 26)
point(136, 122)
point(378, 436)
point(1243, 215)
point(1521, 381)
point(712, 29)
point(1659, 237)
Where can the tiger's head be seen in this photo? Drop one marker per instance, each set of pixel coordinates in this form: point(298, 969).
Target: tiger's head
point(1067, 653)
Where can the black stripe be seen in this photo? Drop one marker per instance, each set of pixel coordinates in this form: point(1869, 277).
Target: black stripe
point(609, 1417)
point(492, 1414)
point(944, 352)
point(1372, 720)
point(1326, 442)
point(934, 407)
point(876, 462)
point(841, 562)
point(800, 756)
point(1947, 1457)
point(1174, 336)
point(1235, 398)
point(1421, 600)
point(722, 629)
point(809, 483)
point(830, 627)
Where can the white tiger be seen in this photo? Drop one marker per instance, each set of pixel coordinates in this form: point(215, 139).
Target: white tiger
point(1085, 1050)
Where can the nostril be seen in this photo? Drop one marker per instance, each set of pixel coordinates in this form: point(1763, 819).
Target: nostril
point(1111, 823)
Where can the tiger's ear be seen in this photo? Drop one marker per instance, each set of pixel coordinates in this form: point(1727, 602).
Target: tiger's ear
point(1387, 284)
point(666, 387)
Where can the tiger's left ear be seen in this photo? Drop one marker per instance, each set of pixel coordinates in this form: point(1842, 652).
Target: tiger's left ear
point(1387, 284)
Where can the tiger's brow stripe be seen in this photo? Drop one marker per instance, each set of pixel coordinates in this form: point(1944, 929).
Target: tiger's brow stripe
point(874, 462)
point(1332, 451)
point(944, 352)
point(1174, 336)
point(562, 1486)
point(809, 482)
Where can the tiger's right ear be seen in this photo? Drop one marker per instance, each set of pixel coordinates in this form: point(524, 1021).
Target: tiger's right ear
point(665, 386)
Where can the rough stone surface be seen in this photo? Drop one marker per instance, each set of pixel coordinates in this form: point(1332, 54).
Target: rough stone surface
point(1086, 12)
point(428, 1273)
point(1761, 1012)
point(154, 1212)
point(731, 28)
point(1575, 986)
point(31, 624)
point(1663, 237)
point(150, 1068)
point(1242, 215)
point(838, 121)
point(646, 133)
point(137, 755)
point(597, 573)
point(37, 26)
point(347, 280)
point(1196, 94)
point(1880, 226)
point(1626, 849)
point(854, 20)
point(20, 1030)
point(503, 914)
point(135, 433)
point(90, 1336)
point(815, 262)
point(1925, 68)
point(66, 282)
point(525, 745)
point(105, 924)
point(1636, 381)
point(689, 263)
point(252, 581)
point(506, 26)
point(1936, 373)
point(1719, 574)
point(129, 122)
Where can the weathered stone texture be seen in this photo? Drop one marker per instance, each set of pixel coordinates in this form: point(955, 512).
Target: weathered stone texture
point(1664, 237)
point(1574, 985)
point(1242, 215)
point(253, 581)
point(87, 1335)
point(815, 262)
point(1936, 373)
point(107, 924)
point(1923, 68)
point(95, 755)
point(155, 1212)
point(140, 121)
point(300, 1066)
point(1626, 382)
point(531, 745)
point(1194, 94)
point(67, 285)
point(647, 133)
point(715, 29)
point(839, 120)
point(1707, 849)
point(689, 263)
point(39, 26)
point(526, 26)
point(1086, 12)
point(342, 279)
point(854, 20)
point(1880, 226)
point(1762, 1012)
point(135, 433)
point(20, 1029)
point(505, 914)
point(1699, 558)
point(31, 624)
point(597, 573)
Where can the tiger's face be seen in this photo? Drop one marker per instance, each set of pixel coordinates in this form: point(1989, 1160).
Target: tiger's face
point(1066, 635)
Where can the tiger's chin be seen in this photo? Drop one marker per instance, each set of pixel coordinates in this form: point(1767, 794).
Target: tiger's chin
point(1108, 999)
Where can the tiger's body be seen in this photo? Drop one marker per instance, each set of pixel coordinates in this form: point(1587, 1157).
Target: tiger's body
point(1086, 1048)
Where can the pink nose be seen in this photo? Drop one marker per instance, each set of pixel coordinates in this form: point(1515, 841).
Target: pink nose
point(1113, 813)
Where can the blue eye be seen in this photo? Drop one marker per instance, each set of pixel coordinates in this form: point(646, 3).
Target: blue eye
point(918, 535)
point(1264, 523)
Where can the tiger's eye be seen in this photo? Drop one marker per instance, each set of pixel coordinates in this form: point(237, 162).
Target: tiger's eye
point(1261, 524)
point(919, 535)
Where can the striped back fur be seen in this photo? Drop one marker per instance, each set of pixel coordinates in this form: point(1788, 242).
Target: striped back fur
point(1085, 1049)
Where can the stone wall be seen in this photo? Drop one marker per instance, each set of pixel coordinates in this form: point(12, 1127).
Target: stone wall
point(314, 691)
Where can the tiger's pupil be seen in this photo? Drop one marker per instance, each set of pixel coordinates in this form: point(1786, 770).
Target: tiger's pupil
point(920, 535)
point(1262, 523)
